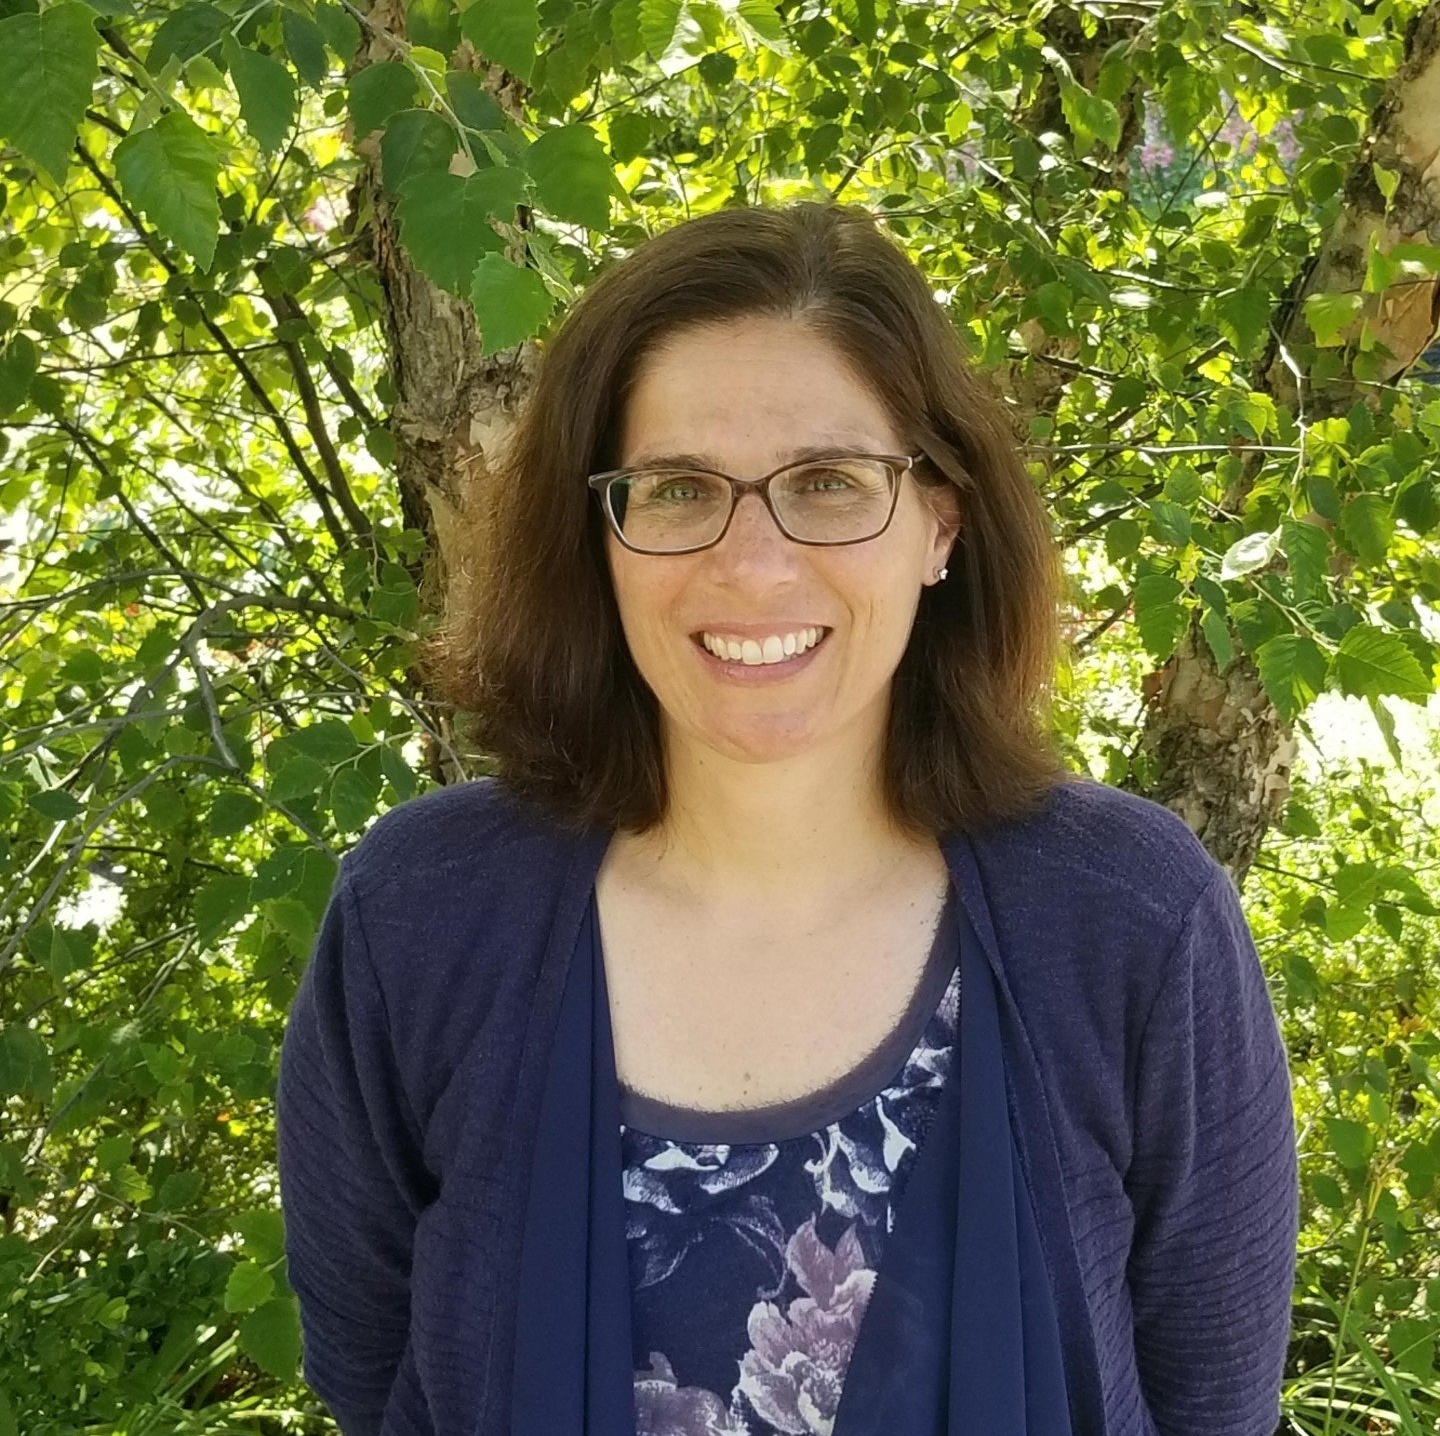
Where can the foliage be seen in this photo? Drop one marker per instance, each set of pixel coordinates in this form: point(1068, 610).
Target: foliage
point(217, 590)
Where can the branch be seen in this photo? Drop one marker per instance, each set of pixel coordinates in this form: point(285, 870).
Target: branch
point(297, 456)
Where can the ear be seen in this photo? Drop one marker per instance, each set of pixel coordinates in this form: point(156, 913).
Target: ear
point(944, 504)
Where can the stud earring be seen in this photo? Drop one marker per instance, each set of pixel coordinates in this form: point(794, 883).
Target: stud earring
point(941, 574)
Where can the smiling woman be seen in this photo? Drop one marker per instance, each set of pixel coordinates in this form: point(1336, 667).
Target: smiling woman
point(781, 1039)
point(738, 342)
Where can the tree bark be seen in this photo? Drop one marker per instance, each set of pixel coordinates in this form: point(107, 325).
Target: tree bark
point(452, 404)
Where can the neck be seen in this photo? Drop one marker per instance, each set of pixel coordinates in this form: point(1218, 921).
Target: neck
point(809, 832)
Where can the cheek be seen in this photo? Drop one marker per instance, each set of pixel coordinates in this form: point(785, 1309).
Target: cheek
point(643, 595)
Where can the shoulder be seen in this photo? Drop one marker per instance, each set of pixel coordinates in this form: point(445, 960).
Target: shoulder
point(462, 833)
point(1091, 845)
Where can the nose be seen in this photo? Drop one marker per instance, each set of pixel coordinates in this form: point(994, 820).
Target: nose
point(754, 532)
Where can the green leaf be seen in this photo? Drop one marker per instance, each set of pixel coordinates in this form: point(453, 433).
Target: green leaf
point(300, 777)
point(1254, 413)
point(504, 31)
point(1417, 504)
point(353, 799)
point(1122, 539)
point(1387, 730)
point(305, 44)
point(381, 445)
point(1170, 523)
point(1246, 555)
point(1211, 593)
point(248, 1286)
point(1293, 669)
point(178, 1190)
point(1090, 117)
point(1243, 316)
point(415, 142)
point(1366, 527)
point(377, 92)
point(398, 771)
point(56, 804)
point(342, 30)
point(48, 66)
point(19, 361)
point(271, 1336)
point(1371, 662)
point(1184, 486)
point(220, 904)
point(1412, 1345)
point(759, 19)
point(511, 303)
point(330, 740)
point(1352, 1142)
point(189, 31)
point(658, 22)
point(169, 172)
point(1330, 314)
point(263, 1231)
point(1307, 549)
point(1159, 615)
point(292, 918)
point(629, 135)
point(573, 175)
point(1217, 635)
point(820, 144)
point(25, 1068)
point(1324, 496)
point(267, 94)
point(232, 813)
point(163, 1062)
point(112, 1152)
point(475, 107)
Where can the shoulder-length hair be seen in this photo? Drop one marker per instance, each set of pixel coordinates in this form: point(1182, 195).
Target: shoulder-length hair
point(530, 643)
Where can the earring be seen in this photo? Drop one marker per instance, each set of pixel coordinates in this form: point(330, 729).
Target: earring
point(941, 574)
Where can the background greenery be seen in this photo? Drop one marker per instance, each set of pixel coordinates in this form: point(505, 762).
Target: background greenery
point(273, 274)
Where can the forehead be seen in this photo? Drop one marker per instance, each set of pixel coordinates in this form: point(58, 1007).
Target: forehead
point(749, 391)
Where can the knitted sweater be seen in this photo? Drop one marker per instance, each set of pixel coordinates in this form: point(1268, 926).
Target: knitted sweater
point(1146, 1071)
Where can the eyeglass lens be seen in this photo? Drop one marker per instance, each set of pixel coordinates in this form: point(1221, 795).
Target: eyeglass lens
point(832, 501)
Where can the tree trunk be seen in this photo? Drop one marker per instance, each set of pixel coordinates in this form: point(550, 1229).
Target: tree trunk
point(452, 404)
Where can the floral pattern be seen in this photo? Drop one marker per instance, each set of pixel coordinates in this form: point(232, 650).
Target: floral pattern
point(751, 1264)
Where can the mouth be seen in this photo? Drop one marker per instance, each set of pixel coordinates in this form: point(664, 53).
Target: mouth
point(755, 657)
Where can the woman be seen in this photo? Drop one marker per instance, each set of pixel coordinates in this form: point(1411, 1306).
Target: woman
point(782, 1040)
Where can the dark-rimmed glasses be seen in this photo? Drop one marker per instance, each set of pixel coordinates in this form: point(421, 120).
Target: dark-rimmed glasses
point(841, 499)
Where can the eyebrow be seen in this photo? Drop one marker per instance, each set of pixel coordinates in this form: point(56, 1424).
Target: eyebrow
point(838, 445)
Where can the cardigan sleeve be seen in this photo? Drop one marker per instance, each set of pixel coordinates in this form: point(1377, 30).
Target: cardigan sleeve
point(1214, 1184)
point(348, 1174)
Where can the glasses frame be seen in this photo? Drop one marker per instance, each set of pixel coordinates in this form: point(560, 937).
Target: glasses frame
point(600, 483)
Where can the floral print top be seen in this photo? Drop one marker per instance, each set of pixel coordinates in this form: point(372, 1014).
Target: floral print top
point(754, 1236)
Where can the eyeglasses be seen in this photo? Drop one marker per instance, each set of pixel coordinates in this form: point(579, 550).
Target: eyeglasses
point(843, 499)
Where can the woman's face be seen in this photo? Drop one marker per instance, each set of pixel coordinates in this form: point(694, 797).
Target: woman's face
point(744, 395)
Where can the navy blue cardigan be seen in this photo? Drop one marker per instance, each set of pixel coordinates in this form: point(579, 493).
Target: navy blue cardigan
point(1149, 1079)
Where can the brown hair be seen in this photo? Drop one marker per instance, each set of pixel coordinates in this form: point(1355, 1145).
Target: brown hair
point(531, 644)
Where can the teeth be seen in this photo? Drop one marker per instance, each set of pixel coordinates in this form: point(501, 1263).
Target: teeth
point(773, 649)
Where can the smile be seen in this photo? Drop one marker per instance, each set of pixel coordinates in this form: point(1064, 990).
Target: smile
point(777, 655)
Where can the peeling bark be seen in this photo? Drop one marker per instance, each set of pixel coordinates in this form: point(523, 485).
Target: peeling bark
point(452, 404)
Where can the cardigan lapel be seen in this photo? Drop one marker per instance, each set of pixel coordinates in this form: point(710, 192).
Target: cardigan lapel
point(1036, 1149)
